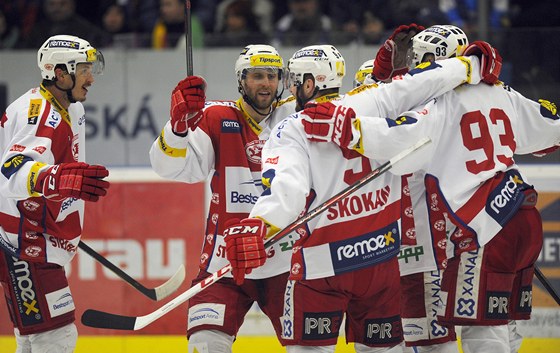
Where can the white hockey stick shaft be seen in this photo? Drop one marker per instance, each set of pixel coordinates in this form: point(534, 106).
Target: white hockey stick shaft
point(100, 319)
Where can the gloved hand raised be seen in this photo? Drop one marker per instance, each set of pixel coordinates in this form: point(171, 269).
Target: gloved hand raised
point(244, 246)
point(329, 122)
point(187, 101)
point(79, 180)
point(490, 60)
point(392, 58)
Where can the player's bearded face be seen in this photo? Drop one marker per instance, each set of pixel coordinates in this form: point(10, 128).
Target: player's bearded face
point(261, 86)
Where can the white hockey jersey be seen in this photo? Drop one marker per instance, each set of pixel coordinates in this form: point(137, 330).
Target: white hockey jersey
point(469, 167)
point(357, 232)
point(427, 81)
point(35, 131)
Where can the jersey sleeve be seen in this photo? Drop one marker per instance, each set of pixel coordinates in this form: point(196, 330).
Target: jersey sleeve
point(286, 176)
point(426, 81)
point(383, 138)
point(188, 159)
point(538, 124)
point(26, 152)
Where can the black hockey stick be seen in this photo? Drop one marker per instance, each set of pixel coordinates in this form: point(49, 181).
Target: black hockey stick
point(188, 38)
point(156, 294)
point(547, 284)
point(100, 319)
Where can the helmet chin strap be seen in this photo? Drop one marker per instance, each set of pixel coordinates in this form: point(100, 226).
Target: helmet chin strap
point(69, 91)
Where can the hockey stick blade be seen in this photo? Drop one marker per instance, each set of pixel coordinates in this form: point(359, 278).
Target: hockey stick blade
point(100, 319)
point(158, 293)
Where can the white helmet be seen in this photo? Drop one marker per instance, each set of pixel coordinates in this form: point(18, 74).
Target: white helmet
point(365, 69)
point(69, 51)
point(258, 56)
point(324, 62)
point(442, 41)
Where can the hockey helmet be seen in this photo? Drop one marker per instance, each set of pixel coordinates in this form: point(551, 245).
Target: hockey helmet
point(363, 71)
point(323, 62)
point(258, 56)
point(442, 41)
point(70, 51)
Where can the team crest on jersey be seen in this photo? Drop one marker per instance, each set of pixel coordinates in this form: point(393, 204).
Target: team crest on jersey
point(13, 164)
point(401, 120)
point(75, 148)
point(549, 110)
point(253, 150)
point(424, 67)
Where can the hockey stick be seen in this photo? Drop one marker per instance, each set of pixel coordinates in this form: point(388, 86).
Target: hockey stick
point(547, 284)
point(188, 38)
point(157, 293)
point(100, 319)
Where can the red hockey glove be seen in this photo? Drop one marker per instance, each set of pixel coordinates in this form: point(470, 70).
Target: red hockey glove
point(187, 101)
point(79, 180)
point(490, 60)
point(244, 246)
point(329, 122)
point(392, 58)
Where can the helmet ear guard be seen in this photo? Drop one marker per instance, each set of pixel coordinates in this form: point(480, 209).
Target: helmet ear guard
point(323, 62)
point(440, 41)
point(68, 51)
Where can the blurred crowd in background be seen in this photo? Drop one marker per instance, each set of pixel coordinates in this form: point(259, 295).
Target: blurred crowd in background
point(26, 24)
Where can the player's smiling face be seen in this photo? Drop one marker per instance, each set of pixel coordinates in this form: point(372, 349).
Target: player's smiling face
point(261, 86)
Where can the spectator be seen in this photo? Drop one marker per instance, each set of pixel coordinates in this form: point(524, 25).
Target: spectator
point(21, 13)
point(263, 10)
point(9, 33)
point(206, 12)
point(114, 20)
point(61, 17)
point(373, 29)
point(239, 26)
point(170, 26)
point(305, 23)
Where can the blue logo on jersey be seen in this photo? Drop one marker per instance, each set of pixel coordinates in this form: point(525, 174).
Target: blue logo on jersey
point(13, 164)
point(424, 67)
point(506, 198)
point(401, 120)
point(365, 250)
point(231, 126)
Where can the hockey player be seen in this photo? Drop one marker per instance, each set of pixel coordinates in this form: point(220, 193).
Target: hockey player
point(222, 140)
point(497, 235)
point(332, 276)
point(43, 185)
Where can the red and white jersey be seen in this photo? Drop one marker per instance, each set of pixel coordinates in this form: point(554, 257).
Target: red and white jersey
point(36, 132)
point(429, 80)
point(425, 82)
point(357, 232)
point(226, 147)
point(469, 167)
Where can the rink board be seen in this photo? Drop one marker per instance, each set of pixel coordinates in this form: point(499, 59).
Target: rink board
point(149, 227)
